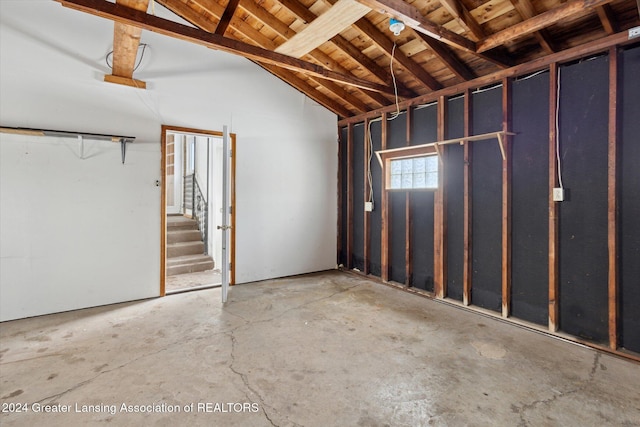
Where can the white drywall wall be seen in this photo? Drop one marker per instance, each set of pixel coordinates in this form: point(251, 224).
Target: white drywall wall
point(78, 233)
point(71, 233)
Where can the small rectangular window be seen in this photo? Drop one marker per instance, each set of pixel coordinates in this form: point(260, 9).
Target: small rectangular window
point(413, 173)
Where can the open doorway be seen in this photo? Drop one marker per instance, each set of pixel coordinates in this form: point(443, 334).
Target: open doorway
point(192, 192)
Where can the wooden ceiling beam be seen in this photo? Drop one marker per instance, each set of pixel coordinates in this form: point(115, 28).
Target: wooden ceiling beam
point(384, 43)
point(304, 14)
point(225, 19)
point(210, 6)
point(263, 15)
point(321, 58)
point(367, 63)
point(126, 42)
point(608, 19)
point(448, 58)
point(538, 64)
point(339, 16)
point(527, 11)
point(341, 93)
point(538, 22)
point(412, 17)
point(169, 28)
point(463, 17)
point(202, 22)
point(316, 55)
point(304, 87)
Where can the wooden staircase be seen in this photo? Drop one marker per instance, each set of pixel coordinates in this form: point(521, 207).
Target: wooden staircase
point(185, 248)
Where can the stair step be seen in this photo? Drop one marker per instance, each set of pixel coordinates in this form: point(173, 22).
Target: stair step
point(176, 236)
point(179, 222)
point(189, 264)
point(186, 259)
point(185, 248)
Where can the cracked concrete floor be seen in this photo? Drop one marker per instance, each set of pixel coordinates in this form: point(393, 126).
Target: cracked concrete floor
point(327, 349)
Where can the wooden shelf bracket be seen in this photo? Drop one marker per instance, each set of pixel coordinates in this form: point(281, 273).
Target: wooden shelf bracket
point(434, 147)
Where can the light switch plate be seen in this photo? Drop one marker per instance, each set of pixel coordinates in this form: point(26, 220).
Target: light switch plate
point(558, 194)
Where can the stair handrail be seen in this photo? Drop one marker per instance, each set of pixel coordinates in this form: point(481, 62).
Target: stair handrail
point(200, 211)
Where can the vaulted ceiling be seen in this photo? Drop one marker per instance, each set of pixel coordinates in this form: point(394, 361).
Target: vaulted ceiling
point(342, 53)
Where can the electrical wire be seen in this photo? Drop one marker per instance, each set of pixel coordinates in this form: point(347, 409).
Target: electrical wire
point(481, 90)
point(379, 119)
point(393, 77)
point(519, 79)
point(144, 47)
point(558, 132)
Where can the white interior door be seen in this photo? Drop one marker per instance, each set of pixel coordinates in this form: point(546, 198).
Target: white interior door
point(174, 176)
point(226, 211)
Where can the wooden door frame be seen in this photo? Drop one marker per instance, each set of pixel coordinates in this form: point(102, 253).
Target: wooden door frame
point(163, 200)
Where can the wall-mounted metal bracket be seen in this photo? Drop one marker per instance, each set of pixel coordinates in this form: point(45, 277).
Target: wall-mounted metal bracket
point(123, 140)
point(123, 148)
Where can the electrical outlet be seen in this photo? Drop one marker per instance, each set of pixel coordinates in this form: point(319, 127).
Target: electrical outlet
point(634, 32)
point(558, 194)
point(368, 206)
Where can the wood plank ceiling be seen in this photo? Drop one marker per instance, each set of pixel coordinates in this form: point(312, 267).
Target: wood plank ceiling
point(342, 54)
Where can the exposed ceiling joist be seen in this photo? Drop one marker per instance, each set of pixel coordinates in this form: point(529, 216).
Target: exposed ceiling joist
point(448, 58)
point(369, 64)
point(304, 14)
point(340, 16)
point(200, 21)
point(210, 6)
point(205, 22)
point(543, 20)
point(412, 17)
point(225, 19)
point(527, 11)
point(319, 57)
point(607, 18)
point(126, 41)
point(162, 26)
point(387, 46)
point(306, 88)
point(461, 14)
point(580, 51)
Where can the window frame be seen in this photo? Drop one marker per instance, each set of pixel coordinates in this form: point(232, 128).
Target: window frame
point(385, 157)
point(388, 174)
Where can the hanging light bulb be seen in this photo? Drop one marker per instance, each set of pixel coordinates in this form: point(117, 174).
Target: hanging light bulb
point(396, 26)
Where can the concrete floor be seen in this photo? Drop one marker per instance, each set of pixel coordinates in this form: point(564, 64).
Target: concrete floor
point(186, 281)
point(328, 349)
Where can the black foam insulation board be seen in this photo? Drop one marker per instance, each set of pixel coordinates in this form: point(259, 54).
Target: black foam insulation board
point(397, 205)
point(530, 199)
point(584, 96)
point(375, 218)
point(629, 200)
point(486, 202)
point(424, 130)
point(358, 196)
point(454, 194)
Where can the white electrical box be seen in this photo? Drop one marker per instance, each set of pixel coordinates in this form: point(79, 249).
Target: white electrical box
point(368, 206)
point(558, 194)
